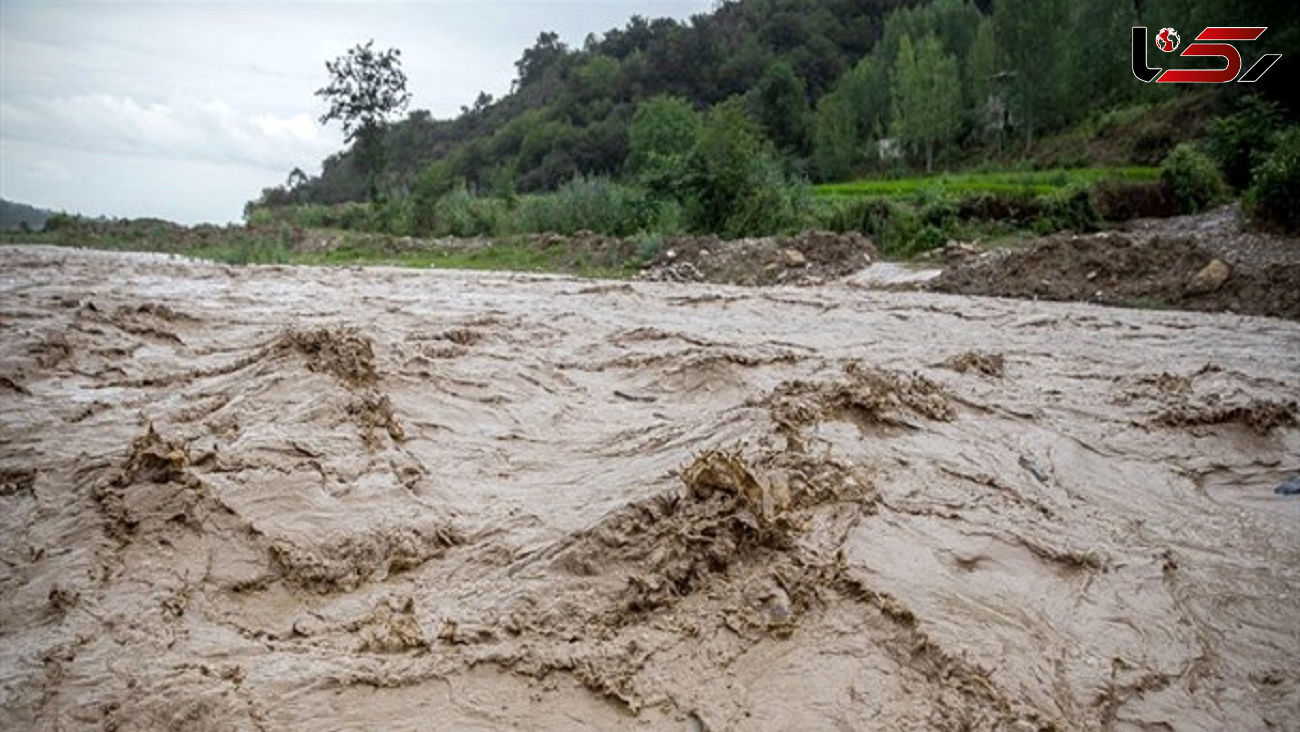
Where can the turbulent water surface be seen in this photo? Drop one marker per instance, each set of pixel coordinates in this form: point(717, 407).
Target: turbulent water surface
point(309, 498)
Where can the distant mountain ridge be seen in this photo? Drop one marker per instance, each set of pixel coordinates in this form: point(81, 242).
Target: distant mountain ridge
point(13, 215)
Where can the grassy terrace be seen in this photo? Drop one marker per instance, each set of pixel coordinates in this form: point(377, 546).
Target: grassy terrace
point(904, 217)
point(1037, 182)
point(239, 246)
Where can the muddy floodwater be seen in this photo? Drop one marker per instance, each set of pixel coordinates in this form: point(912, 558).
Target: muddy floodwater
point(343, 498)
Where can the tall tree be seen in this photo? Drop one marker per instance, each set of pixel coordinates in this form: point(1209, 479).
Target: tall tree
point(835, 137)
point(1030, 35)
point(782, 106)
point(366, 87)
point(851, 115)
point(866, 88)
point(956, 23)
point(663, 132)
point(983, 65)
point(721, 167)
point(548, 51)
point(1100, 29)
point(926, 98)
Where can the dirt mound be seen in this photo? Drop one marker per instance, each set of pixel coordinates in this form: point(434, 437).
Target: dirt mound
point(344, 353)
point(374, 411)
point(989, 364)
point(864, 395)
point(391, 628)
point(1206, 397)
point(675, 543)
point(1261, 415)
point(809, 258)
point(726, 542)
point(349, 356)
point(13, 482)
point(584, 247)
point(342, 562)
point(157, 310)
point(1147, 267)
point(156, 460)
point(154, 491)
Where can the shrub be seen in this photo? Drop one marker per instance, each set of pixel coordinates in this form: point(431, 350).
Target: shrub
point(1192, 178)
point(663, 128)
point(394, 216)
point(1068, 209)
point(461, 213)
point(253, 248)
point(60, 221)
point(1273, 197)
point(591, 204)
point(434, 182)
point(768, 204)
point(648, 247)
point(352, 216)
point(927, 238)
point(866, 214)
point(937, 208)
point(1005, 207)
point(895, 226)
point(1237, 141)
point(722, 169)
point(259, 215)
point(899, 231)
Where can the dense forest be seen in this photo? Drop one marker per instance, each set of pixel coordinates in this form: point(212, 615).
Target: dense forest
point(811, 90)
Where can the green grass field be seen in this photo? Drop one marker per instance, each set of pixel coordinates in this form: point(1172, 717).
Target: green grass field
point(239, 246)
point(1033, 183)
point(904, 216)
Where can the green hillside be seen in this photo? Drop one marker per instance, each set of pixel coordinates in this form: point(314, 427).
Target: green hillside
point(821, 81)
point(14, 215)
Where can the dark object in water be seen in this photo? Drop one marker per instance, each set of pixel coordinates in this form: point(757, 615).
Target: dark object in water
point(1033, 469)
point(1289, 488)
point(635, 397)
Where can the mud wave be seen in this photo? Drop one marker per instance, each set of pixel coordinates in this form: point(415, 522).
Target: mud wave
point(294, 498)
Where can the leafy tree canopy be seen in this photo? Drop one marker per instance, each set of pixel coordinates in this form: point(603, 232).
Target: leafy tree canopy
point(366, 87)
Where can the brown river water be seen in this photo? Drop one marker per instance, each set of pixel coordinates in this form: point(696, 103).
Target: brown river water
point(344, 498)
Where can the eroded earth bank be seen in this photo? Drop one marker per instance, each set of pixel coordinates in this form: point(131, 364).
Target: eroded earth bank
point(309, 498)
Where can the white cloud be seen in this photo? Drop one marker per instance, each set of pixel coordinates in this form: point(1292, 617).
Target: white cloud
point(50, 170)
point(114, 106)
point(186, 191)
point(186, 128)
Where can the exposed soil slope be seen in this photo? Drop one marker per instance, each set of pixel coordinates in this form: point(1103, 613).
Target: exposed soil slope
point(1194, 263)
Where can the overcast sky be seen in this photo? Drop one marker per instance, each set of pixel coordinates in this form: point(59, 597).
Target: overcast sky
point(185, 110)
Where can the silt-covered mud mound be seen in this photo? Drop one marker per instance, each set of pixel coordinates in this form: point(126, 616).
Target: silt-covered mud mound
point(304, 498)
point(809, 258)
point(1190, 263)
